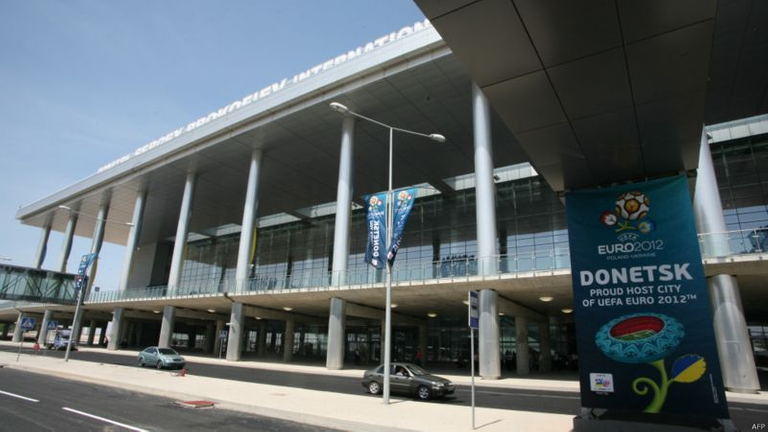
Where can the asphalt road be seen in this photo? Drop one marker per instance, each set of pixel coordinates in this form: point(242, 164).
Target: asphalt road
point(744, 415)
point(36, 402)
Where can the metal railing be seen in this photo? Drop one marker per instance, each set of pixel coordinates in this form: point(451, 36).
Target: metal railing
point(455, 269)
point(729, 243)
point(459, 269)
point(23, 283)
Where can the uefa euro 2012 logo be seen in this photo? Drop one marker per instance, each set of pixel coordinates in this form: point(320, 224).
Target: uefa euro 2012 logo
point(374, 202)
point(630, 213)
point(403, 196)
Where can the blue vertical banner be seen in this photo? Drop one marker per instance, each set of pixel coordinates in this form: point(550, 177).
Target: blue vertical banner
point(404, 199)
point(377, 229)
point(82, 269)
point(643, 321)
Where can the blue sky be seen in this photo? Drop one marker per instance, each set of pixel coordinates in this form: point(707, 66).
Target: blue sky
point(85, 82)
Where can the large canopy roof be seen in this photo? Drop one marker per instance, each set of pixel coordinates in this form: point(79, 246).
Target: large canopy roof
point(608, 91)
point(414, 83)
point(589, 92)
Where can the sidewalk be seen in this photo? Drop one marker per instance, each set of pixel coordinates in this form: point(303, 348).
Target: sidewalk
point(328, 409)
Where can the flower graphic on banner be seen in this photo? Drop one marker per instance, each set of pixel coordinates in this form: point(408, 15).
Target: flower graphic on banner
point(632, 208)
point(649, 338)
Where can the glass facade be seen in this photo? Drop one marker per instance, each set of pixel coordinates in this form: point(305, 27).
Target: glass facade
point(440, 241)
point(742, 177)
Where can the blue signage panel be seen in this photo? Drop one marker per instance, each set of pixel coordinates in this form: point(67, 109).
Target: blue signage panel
point(377, 229)
point(27, 323)
point(52, 325)
point(643, 322)
point(404, 199)
point(474, 312)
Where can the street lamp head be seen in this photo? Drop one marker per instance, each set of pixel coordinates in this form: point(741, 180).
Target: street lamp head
point(437, 137)
point(63, 207)
point(339, 108)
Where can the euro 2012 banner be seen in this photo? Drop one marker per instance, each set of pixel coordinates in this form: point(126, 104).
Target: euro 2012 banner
point(643, 322)
point(377, 225)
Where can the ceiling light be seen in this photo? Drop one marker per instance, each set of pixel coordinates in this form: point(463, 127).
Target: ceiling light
point(258, 318)
point(393, 305)
point(567, 310)
point(546, 298)
point(501, 313)
point(466, 302)
point(431, 314)
point(211, 310)
point(287, 308)
point(156, 311)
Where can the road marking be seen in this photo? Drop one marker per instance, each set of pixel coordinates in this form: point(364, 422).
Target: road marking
point(523, 394)
point(18, 396)
point(746, 409)
point(104, 419)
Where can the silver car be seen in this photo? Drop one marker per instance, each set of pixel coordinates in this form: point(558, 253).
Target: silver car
point(161, 358)
point(408, 378)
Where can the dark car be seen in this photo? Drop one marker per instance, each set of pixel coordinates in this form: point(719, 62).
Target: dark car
point(161, 358)
point(408, 378)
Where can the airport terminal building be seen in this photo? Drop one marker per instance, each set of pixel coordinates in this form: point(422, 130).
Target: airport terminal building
point(245, 230)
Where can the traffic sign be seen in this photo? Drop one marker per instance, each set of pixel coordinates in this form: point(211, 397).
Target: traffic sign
point(27, 323)
point(52, 325)
point(474, 312)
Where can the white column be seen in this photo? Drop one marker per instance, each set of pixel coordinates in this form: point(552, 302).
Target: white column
point(96, 243)
point(249, 219)
point(343, 202)
point(521, 345)
point(217, 341)
point(17, 331)
point(103, 334)
point(423, 344)
point(545, 364)
point(115, 331)
point(262, 348)
point(336, 337)
point(66, 245)
point(210, 337)
point(485, 190)
point(235, 341)
point(733, 343)
point(288, 337)
point(166, 328)
point(182, 230)
point(42, 334)
point(42, 247)
point(91, 332)
point(177, 260)
point(488, 335)
point(133, 239)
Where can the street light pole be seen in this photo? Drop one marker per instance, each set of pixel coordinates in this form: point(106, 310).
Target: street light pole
point(388, 304)
point(341, 109)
